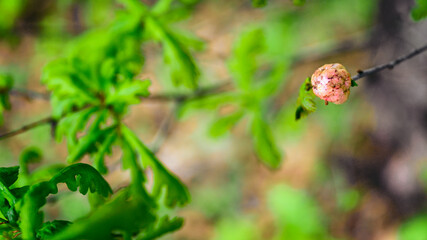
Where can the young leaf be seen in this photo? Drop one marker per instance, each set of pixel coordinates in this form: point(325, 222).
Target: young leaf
point(49, 229)
point(420, 10)
point(88, 143)
point(264, 142)
point(6, 83)
point(7, 199)
point(129, 93)
point(121, 215)
point(259, 3)
point(105, 148)
point(77, 175)
point(222, 125)
point(182, 66)
point(9, 175)
point(165, 225)
point(243, 64)
point(176, 191)
point(130, 161)
point(305, 101)
point(299, 2)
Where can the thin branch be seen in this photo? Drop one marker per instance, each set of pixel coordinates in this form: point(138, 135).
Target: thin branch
point(389, 65)
point(29, 94)
point(47, 120)
point(202, 92)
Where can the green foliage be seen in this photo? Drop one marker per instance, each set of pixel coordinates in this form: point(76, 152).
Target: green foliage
point(255, 89)
point(420, 10)
point(11, 11)
point(299, 2)
point(236, 229)
point(297, 215)
point(95, 83)
point(414, 228)
point(122, 214)
point(264, 142)
point(259, 3)
point(75, 176)
point(305, 101)
point(49, 229)
point(182, 66)
point(354, 84)
point(176, 192)
point(6, 84)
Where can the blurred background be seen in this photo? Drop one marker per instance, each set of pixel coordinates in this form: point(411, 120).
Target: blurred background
point(352, 171)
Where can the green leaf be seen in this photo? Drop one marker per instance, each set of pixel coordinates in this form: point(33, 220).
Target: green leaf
point(353, 83)
point(182, 66)
point(9, 175)
point(243, 63)
point(123, 214)
point(299, 2)
point(130, 161)
point(222, 125)
point(296, 214)
point(6, 82)
point(29, 155)
point(305, 101)
point(129, 93)
point(7, 199)
point(259, 3)
point(414, 228)
point(105, 148)
point(72, 124)
point(176, 191)
point(88, 143)
point(264, 142)
point(162, 227)
point(48, 229)
point(420, 10)
point(211, 102)
point(80, 175)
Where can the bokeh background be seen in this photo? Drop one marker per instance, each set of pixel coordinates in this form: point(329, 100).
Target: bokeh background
point(351, 171)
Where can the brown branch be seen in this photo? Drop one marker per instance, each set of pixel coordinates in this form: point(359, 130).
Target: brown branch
point(389, 65)
point(29, 94)
point(161, 97)
point(47, 120)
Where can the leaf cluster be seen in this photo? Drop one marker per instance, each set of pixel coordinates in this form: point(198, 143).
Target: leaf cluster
point(256, 84)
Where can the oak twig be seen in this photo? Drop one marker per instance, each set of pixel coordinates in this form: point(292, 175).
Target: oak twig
point(161, 97)
point(27, 127)
point(29, 94)
point(389, 65)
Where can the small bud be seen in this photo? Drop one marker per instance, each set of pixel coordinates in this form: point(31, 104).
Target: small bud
point(332, 83)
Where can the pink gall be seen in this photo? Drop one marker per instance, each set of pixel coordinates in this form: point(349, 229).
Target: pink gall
point(331, 83)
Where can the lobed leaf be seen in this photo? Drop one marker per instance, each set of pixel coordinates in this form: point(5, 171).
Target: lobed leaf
point(123, 214)
point(79, 175)
point(165, 225)
point(305, 101)
point(243, 64)
point(176, 191)
point(264, 142)
point(222, 125)
point(182, 66)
